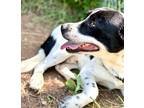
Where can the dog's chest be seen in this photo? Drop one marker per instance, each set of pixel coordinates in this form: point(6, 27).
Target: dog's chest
point(112, 62)
point(115, 67)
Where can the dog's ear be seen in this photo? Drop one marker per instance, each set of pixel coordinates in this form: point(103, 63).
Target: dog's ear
point(121, 33)
point(121, 30)
point(92, 10)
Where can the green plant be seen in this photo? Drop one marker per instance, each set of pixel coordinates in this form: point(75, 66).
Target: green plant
point(82, 6)
point(71, 85)
point(47, 11)
point(74, 86)
point(60, 11)
point(115, 4)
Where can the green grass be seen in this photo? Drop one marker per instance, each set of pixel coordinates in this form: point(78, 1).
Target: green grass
point(61, 11)
point(48, 11)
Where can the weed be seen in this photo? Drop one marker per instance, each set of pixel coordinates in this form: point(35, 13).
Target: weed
point(50, 99)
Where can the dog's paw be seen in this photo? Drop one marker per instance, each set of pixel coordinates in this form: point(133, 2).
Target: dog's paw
point(36, 81)
point(68, 102)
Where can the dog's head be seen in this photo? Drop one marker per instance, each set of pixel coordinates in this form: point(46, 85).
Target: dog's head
point(102, 29)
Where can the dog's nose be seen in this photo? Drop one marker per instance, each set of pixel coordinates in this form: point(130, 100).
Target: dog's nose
point(64, 28)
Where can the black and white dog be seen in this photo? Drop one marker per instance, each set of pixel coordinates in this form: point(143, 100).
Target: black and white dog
point(101, 34)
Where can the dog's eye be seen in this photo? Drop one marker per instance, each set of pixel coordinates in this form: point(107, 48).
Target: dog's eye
point(92, 24)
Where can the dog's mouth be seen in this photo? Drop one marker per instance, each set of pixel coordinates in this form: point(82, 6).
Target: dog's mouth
point(77, 47)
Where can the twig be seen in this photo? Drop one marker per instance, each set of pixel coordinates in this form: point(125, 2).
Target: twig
point(120, 99)
point(96, 103)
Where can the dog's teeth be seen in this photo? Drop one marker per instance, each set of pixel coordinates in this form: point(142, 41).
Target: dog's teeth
point(86, 45)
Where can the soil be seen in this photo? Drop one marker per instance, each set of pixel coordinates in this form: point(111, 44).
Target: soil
point(33, 35)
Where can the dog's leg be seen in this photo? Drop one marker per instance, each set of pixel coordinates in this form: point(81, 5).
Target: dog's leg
point(37, 79)
point(54, 58)
point(102, 75)
point(64, 70)
point(29, 64)
point(89, 93)
point(74, 62)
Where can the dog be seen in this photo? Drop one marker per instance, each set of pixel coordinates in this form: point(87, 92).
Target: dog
point(65, 53)
point(50, 54)
point(101, 34)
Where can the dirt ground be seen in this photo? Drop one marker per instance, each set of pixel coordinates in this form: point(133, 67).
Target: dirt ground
point(32, 37)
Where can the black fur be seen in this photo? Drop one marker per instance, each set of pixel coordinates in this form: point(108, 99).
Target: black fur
point(91, 57)
point(48, 45)
point(107, 27)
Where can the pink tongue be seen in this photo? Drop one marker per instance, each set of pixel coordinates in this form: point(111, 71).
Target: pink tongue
point(70, 45)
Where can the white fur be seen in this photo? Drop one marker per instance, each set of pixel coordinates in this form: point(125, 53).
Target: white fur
point(29, 64)
point(91, 71)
